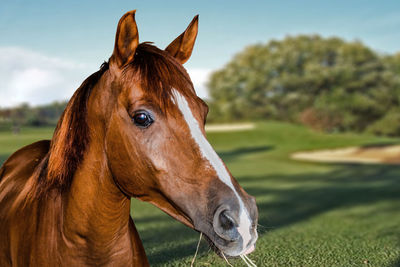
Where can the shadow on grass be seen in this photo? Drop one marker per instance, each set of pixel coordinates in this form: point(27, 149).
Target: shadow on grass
point(396, 263)
point(236, 153)
point(294, 198)
point(167, 243)
point(345, 186)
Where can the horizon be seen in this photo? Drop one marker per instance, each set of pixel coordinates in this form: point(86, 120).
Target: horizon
point(50, 48)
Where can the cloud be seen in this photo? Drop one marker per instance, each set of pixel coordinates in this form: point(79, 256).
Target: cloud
point(199, 78)
point(30, 77)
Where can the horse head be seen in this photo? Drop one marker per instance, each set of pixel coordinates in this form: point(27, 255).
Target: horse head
point(156, 145)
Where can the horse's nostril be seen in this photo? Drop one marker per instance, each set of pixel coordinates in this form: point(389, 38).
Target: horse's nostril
point(226, 221)
point(225, 225)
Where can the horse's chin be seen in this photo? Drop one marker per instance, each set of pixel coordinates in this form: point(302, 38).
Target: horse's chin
point(225, 252)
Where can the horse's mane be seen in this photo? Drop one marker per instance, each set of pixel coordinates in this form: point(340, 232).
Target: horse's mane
point(158, 72)
point(69, 140)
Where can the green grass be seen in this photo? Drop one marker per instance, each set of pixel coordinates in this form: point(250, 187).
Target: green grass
point(310, 214)
point(9, 142)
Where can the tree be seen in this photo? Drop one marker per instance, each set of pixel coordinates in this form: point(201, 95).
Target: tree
point(344, 81)
point(24, 115)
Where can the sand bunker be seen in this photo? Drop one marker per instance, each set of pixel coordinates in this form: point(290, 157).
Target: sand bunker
point(366, 155)
point(229, 127)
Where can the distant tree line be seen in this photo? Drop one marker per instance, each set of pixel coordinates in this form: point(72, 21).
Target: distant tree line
point(25, 115)
point(325, 83)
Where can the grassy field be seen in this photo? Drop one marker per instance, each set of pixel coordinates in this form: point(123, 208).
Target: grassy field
point(9, 142)
point(310, 214)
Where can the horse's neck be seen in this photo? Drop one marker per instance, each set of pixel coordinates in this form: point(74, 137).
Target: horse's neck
point(93, 203)
point(96, 213)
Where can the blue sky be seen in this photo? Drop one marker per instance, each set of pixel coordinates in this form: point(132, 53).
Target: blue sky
point(48, 47)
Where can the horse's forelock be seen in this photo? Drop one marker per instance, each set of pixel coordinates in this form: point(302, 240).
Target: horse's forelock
point(159, 73)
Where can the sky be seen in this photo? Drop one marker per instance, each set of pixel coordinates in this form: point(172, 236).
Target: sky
point(47, 47)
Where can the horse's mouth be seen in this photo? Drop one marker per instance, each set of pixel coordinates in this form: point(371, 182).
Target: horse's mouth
point(220, 251)
point(214, 247)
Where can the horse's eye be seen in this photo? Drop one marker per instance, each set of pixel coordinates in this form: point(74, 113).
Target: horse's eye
point(142, 119)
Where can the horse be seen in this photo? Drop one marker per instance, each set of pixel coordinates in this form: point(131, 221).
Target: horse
point(135, 128)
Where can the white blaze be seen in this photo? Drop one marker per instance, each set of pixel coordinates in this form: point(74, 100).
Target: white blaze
point(209, 153)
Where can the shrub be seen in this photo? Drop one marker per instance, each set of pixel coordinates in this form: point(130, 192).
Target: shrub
point(388, 125)
point(321, 120)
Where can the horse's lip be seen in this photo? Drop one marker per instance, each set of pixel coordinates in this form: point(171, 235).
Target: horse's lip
point(220, 253)
point(250, 250)
point(212, 245)
point(216, 249)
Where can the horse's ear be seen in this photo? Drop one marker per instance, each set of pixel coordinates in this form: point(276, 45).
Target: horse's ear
point(126, 40)
point(181, 48)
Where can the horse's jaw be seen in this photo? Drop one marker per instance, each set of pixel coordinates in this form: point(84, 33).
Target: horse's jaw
point(161, 202)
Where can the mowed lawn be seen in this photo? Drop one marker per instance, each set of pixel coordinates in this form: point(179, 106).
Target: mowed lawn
point(310, 214)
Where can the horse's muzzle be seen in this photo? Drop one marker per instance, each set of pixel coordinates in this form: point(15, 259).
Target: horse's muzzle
point(235, 230)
